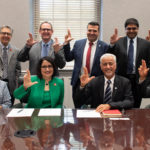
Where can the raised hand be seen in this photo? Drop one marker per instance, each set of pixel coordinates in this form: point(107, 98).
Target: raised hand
point(27, 80)
point(143, 70)
point(57, 46)
point(85, 79)
point(30, 41)
point(114, 38)
point(68, 37)
point(148, 37)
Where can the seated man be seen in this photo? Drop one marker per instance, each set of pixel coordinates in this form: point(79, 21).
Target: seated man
point(5, 99)
point(108, 91)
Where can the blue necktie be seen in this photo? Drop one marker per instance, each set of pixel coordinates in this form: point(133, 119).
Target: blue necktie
point(108, 94)
point(45, 50)
point(130, 57)
point(5, 63)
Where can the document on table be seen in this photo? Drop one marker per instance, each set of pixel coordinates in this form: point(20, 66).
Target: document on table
point(88, 114)
point(21, 112)
point(50, 112)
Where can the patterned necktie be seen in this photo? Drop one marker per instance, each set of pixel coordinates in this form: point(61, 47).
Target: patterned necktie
point(88, 56)
point(5, 63)
point(108, 95)
point(45, 50)
point(130, 57)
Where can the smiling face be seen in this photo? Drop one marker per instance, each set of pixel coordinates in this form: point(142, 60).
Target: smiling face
point(108, 66)
point(92, 33)
point(5, 36)
point(47, 70)
point(132, 31)
point(46, 32)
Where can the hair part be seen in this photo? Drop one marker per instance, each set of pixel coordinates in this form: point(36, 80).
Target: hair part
point(50, 60)
point(131, 21)
point(107, 55)
point(8, 27)
point(94, 23)
point(47, 23)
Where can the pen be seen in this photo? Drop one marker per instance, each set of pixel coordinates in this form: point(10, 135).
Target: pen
point(19, 110)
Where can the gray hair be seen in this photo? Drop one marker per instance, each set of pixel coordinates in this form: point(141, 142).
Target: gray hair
point(47, 23)
point(6, 26)
point(108, 55)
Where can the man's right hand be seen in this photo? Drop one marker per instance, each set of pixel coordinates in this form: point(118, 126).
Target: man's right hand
point(68, 37)
point(114, 38)
point(85, 79)
point(30, 41)
point(27, 80)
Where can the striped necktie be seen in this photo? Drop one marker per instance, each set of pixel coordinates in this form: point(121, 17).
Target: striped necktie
point(108, 94)
point(5, 63)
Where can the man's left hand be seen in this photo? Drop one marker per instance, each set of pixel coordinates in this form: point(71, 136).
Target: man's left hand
point(103, 107)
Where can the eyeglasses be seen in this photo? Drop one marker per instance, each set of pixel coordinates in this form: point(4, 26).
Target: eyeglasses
point(134, 28)
point(45, 29)
point(45, 67)
point(5, 33)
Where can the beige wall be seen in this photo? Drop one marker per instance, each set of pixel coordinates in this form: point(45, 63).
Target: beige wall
point(115, 12)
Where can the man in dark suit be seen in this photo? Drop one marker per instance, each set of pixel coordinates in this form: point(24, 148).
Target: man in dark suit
point(130, 50)
point(80, 54)
point(10, 68)
point(34, 50)
point(108, 91)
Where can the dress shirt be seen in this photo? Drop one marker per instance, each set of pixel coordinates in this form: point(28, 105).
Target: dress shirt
point(111, 84)
point(93, 50)
point(135, 50)
point(48, 48)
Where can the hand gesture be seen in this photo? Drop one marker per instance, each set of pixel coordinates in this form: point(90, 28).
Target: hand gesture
point(57, 46)
point(27, 80)
point(103, 107)
point(143, 70)
point(85, 79)
point(30, 41)
point(68, 37)
point(114, 38)
point(148, 37)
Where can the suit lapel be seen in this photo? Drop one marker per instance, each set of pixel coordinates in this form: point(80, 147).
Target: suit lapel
point(51, 51)
point(101, 84)
point(138, 48)
point(115, 87)
point(82, 49)
point(10, 53)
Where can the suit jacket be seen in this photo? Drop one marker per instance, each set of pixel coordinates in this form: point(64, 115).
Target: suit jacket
point(36, 93)
point(14, 67)
point(33, 54)
point(77, 55)
point(120, 50)
point(93, 93)
point(5, 99)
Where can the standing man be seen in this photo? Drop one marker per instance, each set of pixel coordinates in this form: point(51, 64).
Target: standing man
point(108, 91)
point(33, 50)
point(130, 50)
point(86, 52)
point(10, 68)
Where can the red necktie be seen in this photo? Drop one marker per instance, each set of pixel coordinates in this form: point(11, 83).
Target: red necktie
point(88, 57)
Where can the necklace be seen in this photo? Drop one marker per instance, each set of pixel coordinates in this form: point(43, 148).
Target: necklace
point(46, 84)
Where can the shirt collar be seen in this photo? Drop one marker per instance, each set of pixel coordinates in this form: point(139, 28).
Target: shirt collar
point(134, 40)
point(4, 46)
point(49, 43)
point(112, 79)
point(94, 43)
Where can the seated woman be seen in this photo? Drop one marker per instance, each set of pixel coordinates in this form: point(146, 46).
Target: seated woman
point(5, 99)
point(44, 90)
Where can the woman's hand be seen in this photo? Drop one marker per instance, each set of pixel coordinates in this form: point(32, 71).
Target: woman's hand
point(27, 80)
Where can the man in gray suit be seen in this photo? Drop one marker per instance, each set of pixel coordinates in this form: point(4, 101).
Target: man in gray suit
point(33, 50)
point(5, 99)
point(10, 68)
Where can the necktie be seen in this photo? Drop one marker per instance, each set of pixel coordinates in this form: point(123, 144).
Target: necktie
point(88, 57)
point(130, 57)
point(107, 97)
point(45, 50)
point(5, 63)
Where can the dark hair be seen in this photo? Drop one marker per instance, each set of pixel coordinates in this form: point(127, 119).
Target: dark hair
point(47, 23)
point(94, 23)
point(131, 21)
point(6, 26)
point(50, 60)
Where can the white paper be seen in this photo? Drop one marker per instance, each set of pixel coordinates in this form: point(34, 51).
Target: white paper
point(21, 112)
point(119, 118)
point(50, 112)
point(88, 114)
